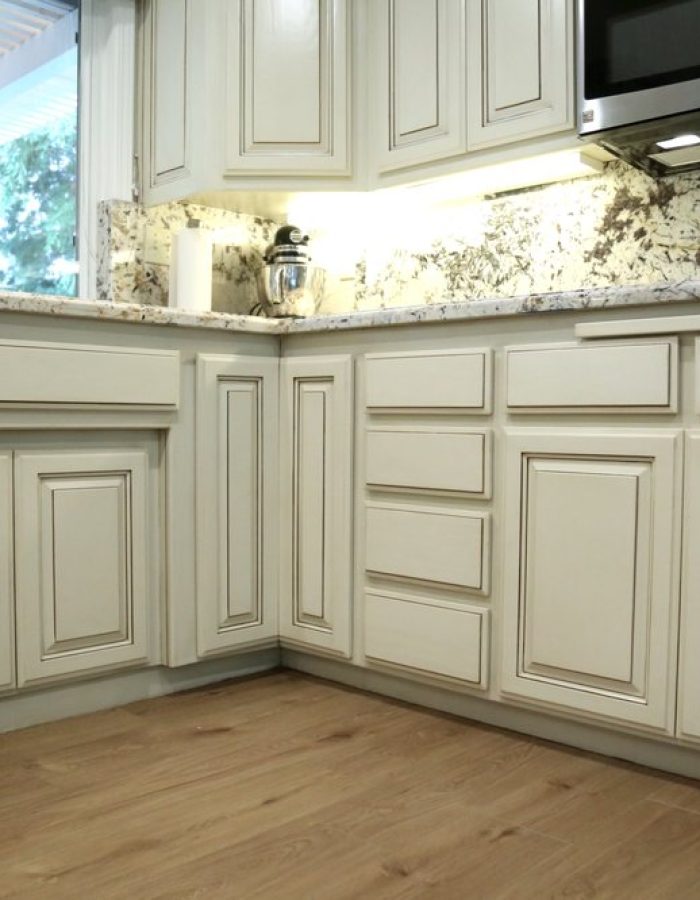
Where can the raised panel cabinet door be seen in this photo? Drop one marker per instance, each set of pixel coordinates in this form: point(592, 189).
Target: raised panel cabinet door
point(520, 69)
point(689, 683)
point(288, 87)
point(7, 644)
point(166, 68)
point(590, 602)
point(418, 84)
point(316, 503)
point(237, 506)
point(81, 538)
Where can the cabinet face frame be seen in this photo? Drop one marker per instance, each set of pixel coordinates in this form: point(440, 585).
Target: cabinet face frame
point(689, 669)
point(552, 107)
point(221, 521)
point(328, 151)
point(7, 599)
point(442, 133)
point(316, 471)
point(649, 705)
point(41, 477)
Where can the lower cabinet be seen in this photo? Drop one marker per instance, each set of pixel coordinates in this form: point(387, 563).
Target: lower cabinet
point(316, 443)
point(7, 650)
point(237, 515)
point(81, 554)
point(689, 685)
point(590, 612)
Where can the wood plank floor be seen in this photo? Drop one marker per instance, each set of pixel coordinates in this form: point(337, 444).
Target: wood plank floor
point(289, 787)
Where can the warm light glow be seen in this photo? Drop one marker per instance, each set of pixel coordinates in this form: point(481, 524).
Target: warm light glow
point(345, 225)
point(683, 140)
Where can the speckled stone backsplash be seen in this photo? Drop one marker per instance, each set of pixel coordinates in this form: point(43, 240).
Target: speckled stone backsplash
point(134, 253)
point(619, 227)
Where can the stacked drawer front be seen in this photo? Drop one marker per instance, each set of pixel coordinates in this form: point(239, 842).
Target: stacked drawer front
point(427, 522)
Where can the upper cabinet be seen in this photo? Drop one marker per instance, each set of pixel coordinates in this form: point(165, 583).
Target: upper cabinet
point(171, 42)
point(520, 69)
point(418, 87)
point(251, 88)
point(287, 87)
point(258, 94)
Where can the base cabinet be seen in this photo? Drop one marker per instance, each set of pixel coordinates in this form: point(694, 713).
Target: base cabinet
point(590, 613)
point(81, 544)
point(689, 683)
point(316, 503)
point(7, 650)
point(237, 516)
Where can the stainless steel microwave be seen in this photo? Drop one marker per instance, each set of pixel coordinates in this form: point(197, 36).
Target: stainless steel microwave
point(639, 80)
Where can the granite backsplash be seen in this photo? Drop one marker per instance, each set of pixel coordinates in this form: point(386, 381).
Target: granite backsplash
point(616, 227)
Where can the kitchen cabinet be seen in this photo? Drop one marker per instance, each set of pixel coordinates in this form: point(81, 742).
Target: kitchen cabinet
point(689, 672)
point(237, 507)
point(172, 58)
point(82, 542)
point(520, 69)
point(247, 89)
point(316, 447)
point(288, 87)
point(7, 649)
point(589, 608)
point(418, 86)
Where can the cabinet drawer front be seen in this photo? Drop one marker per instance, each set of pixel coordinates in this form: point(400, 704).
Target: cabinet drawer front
point(436, 639)
point(596, 377)
point(439, 381)
point(41, 373)
point(427, 460)
point(427, 545)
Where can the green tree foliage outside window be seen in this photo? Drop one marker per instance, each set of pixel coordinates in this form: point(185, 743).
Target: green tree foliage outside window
point(38, 178)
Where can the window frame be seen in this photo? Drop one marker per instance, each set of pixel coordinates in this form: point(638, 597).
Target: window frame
point(106, 122)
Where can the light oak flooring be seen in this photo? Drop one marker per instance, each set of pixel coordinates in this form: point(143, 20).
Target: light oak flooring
point(289, 787)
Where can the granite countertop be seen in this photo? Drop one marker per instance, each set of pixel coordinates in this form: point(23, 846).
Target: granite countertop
point(617, 296)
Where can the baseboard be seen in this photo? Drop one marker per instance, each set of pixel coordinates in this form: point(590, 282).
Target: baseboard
point(673, 758)
point(77, 698)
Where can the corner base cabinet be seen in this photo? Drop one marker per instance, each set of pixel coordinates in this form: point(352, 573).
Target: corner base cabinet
point(236, 502)
point(82, 553)
point(590, 598)
point(316, 503)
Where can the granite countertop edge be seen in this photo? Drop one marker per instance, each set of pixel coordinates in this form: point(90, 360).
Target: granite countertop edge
point(616, 296)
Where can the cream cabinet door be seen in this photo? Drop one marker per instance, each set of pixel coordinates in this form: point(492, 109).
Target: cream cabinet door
point(81, 539)
point(316, 503)
point(7, 644)
point(689, 685)
point(520, 68)
point(590, 612)
point(288, 87)
point(418, 85)
point(171, 60)
point(237, 505)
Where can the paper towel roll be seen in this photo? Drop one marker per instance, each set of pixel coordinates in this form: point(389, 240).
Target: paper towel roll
point(190, 268)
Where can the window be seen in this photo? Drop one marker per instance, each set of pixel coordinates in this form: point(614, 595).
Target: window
point(39, 78)
point(59, 157)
